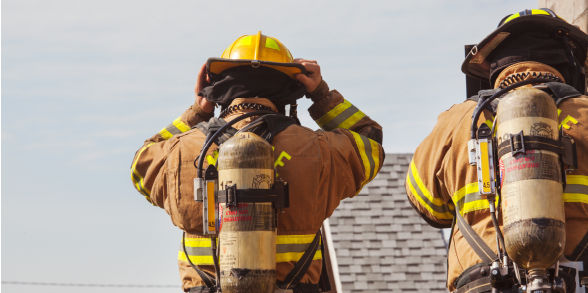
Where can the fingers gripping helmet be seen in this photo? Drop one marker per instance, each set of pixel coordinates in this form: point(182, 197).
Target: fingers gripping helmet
point(256, 50)
point(531, 35)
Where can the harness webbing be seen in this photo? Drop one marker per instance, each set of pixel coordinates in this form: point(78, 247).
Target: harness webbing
point(478, 245)
point(301, 266)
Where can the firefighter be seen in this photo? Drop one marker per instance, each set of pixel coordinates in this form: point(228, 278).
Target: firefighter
point(257, 72)
point(440, 182)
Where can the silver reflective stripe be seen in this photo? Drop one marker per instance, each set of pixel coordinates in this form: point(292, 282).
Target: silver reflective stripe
point(576, 188)
point(340, 118)
point(283, 248)
point(198, 250)
point(173, 129)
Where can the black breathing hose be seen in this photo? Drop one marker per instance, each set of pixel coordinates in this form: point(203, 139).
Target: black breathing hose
point(211, 139)
point(482, 106)
point(206, 278)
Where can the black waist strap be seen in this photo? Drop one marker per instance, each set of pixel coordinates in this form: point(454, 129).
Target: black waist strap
point(300, 288)
point(477, 286)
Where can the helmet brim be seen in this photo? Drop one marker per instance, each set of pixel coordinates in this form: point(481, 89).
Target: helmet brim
point(476, 63)
point(218, 65)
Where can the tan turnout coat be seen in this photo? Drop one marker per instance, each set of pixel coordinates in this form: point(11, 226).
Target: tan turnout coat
point(321, 167)
point(440, 181)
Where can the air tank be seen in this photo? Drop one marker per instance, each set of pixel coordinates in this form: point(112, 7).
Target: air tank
point(531, 182)
point(247, 237)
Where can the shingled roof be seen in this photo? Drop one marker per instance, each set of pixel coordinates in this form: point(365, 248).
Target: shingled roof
point(381, 244)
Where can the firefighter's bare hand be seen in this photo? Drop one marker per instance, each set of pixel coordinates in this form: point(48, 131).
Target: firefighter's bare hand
point(313, 77)
point(202, 82)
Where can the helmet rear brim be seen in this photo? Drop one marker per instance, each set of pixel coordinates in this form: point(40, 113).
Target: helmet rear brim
point(218, 65)
point(476, 62)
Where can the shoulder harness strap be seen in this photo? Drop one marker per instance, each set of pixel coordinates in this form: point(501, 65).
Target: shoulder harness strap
point(474, 240)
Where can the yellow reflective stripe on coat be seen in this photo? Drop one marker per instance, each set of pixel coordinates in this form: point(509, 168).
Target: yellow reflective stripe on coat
point(369, 152)
point(292, 247)
point(576, 189)
point(288, 248)
point(137, 178)
point(468, 199)
point(344, 115)
point(199, 250)
point(176, 127)
point(199, 260)
point(436, 206)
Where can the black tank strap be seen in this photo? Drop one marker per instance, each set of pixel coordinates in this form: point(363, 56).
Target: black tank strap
point(519, 143)
point(300, 268)
point(476, 243)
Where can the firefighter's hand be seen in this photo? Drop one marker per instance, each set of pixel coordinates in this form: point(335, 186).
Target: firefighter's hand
point(313, 77)
point(202, 82)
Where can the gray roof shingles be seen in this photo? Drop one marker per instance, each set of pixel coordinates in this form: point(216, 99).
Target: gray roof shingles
point(381, 243)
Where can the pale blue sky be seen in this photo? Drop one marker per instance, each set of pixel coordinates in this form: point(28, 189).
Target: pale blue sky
point(85, 82)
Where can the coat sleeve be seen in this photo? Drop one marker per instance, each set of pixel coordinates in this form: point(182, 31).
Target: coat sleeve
point(150, 158)
point(350, 143)
point(424, 180)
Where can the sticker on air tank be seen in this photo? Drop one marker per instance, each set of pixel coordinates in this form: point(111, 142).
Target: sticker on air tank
point(533, 164)
point(247, 217)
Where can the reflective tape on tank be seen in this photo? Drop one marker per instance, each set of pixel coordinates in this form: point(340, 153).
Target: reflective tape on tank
point(344, 115)
point(576, 189)
point(176, 127)
point(435, 206)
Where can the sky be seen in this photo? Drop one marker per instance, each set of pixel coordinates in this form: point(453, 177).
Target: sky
point(84, 83)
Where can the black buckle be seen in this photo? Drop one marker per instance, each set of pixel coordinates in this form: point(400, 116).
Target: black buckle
point(231, 196)
point(569, 156)
point(279, 195)
point(517, 144)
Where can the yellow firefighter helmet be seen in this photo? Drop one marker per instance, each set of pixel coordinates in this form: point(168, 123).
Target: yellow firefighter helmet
point(256, 50)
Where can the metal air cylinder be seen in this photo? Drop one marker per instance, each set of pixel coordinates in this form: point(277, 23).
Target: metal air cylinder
point(247, 237)
point(532, 203)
